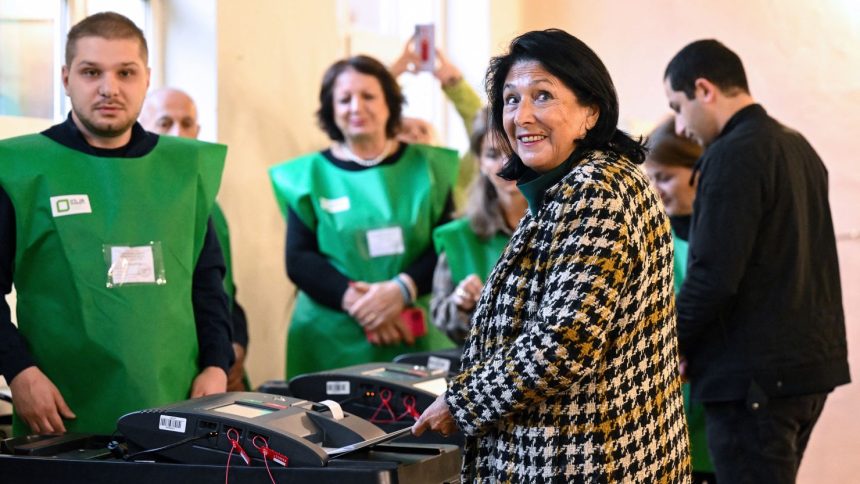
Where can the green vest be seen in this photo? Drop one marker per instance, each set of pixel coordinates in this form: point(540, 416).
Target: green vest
point(109, 350)
point(466, 252)
point(680, 261)
point(699, 456)
point(342, 207)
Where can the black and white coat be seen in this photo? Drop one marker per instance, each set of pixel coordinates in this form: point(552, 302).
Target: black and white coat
point(570, 373)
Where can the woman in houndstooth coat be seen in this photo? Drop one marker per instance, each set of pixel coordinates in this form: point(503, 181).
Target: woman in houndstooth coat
point(570, 373)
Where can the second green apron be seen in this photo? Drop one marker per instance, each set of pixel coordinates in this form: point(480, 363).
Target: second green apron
point(370, 224)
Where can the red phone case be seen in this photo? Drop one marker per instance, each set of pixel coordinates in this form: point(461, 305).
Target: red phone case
point(413, 319)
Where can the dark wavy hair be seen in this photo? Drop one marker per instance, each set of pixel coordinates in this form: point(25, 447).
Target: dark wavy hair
point(577, 67)
point(365, 65)
point(707, 59)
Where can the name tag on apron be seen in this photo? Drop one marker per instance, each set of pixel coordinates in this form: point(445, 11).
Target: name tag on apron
point(334, 205)
point(387, 241)
point(142, 264)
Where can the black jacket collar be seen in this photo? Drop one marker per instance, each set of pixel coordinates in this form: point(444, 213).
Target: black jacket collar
point(68, 135)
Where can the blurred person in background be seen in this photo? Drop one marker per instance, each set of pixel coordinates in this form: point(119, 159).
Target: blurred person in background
point(669, 166)
point(470, 246)
point(465, 100)
point(360, 218)
point(169, 111)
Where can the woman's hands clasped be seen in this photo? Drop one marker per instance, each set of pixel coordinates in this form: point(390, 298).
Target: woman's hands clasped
point(377, 309)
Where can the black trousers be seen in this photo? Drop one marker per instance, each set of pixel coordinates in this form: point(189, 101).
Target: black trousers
point(761, 440)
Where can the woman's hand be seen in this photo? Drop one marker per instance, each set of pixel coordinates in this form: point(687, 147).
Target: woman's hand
point(437, 417)
point(407, 61)
point(467, 293)
point(377, 309)
point(389, 333)
point(353, 294)
point(447, 73)
point(381, 303)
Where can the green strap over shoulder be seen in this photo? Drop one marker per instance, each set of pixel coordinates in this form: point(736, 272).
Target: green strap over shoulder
point(466, 252)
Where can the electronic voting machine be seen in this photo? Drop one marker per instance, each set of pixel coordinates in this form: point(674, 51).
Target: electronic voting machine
point(383, 393)
point(258, 425)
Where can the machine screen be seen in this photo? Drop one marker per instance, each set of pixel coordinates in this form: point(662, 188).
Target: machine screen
point(436, 387)
point(243, 410)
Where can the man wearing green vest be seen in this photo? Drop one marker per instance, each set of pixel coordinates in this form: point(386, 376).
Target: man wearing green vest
point(107, 240)
point(172, 112)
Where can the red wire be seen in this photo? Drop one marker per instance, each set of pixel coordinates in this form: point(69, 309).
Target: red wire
point(227, 474)
point(266, 461)
point(385, 396)
point(264, 449)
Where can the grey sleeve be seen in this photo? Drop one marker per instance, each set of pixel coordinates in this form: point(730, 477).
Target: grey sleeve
point(443, 310)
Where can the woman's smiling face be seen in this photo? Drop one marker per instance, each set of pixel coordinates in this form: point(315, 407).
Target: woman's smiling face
point(542, 117)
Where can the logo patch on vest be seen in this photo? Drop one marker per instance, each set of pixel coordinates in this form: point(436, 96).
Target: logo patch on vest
point(334, 205)
point(70, 205)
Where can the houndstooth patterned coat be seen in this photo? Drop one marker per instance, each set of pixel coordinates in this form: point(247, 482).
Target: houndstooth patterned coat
point(570, 372)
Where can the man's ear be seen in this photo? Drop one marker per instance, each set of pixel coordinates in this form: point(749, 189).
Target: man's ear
point(65, 75)
point(707, 89)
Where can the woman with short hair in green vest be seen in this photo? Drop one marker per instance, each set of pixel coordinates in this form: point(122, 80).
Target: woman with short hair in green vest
point(469, 247)
point(669, 165)
point(360, 218)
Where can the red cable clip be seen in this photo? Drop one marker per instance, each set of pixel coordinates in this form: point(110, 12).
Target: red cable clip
point(385, 396)
point(270, 453)
point(409, 403)
point(237, 446)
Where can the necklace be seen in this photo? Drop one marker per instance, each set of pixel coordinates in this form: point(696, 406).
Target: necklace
point(386, 150)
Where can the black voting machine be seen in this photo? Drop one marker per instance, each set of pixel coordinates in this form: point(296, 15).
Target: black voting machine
point(240, 437)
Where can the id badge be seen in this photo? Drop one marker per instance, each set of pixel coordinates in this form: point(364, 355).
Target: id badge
point(387, 241)
point(127, 264)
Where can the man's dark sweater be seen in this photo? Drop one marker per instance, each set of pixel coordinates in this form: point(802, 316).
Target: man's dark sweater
point(760, 309)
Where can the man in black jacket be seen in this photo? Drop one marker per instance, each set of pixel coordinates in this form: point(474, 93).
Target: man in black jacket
point(760, 317)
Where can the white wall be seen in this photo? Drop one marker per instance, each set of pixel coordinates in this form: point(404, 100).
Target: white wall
point(190, 57)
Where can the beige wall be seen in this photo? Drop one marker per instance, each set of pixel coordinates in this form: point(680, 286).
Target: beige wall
point(803, 65)
point(271, 56)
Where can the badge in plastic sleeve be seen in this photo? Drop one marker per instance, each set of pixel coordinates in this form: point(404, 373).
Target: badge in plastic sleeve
point(134, 264)
point(425, 47)
point(385, 241)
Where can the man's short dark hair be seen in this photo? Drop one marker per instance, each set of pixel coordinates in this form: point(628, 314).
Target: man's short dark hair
point(365, 65)
point(708, 59)
point(107, 25)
